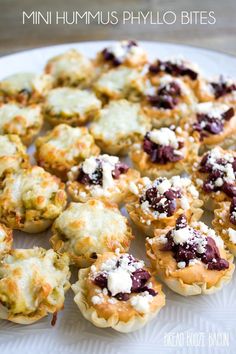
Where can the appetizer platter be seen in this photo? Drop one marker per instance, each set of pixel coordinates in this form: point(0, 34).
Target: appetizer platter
point(117, 197)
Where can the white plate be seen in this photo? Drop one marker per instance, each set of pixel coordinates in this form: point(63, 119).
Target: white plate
point(200, 324)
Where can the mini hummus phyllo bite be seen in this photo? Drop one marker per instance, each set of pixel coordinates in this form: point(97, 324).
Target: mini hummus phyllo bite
point(102, 177)
point(118, 291)
point(33, 283)
point(158, 204)
point(190, 258)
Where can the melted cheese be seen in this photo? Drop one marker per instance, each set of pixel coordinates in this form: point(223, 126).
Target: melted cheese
point(27, 187)
point(71, 101)
point(25, 81)
point(94, 220)
point(3, 236)
point(66, 143)
point(118, 80)
point(29, 270)
point(120, 119)
point(71, 63)
point(17, 82)
point(7, 147)
point(232, 235)
point(10, 111)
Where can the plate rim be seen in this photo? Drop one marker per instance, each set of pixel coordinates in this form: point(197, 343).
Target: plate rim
point(106, 41)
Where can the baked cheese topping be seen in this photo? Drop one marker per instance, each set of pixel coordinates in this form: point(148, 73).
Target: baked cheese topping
point(32, 188)
point(7, 147)
point(120, 119)
point(92, 219)
point(232, 235)
point(72, 64)
point(71, 101)
point(3, 236)
point(120, 79)
point(66, 143)
point(11, 111)
point(30, 271)
point(16, 83)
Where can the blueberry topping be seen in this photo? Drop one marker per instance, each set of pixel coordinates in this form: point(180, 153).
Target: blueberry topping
point(139, 279)
point(97, 176)
point(222, 88)
point(162, 203)
point(172, 69)
point(120, 168)
point(187, 251)
point(217, 171)
point(212, 125)
point(109, 56)
point(167, 97)
point(159, 153)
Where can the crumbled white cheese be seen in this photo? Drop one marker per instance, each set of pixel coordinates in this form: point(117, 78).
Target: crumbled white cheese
point(164, 186)
point(181, 265)
point(119, 281)
point(141, 302)
point(133, 188)
point(184, 203)
point(232, 235)
point(212, 109)
point(165, 137)
point(97, 300)
point(182, 235)
point(89, 165)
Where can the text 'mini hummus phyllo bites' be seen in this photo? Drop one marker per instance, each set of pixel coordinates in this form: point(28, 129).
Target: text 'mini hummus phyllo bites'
point(190, 258)
point(33, 283)
point(119, 125)
point(23, 121)
point(71, 68)
point(102, 177)
point(30, 199)
point(85, 230)
point(164, 152)
point(158, 204)
point(64, 147)
point(24, 87)
point(70, 106)
point(118, 291)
